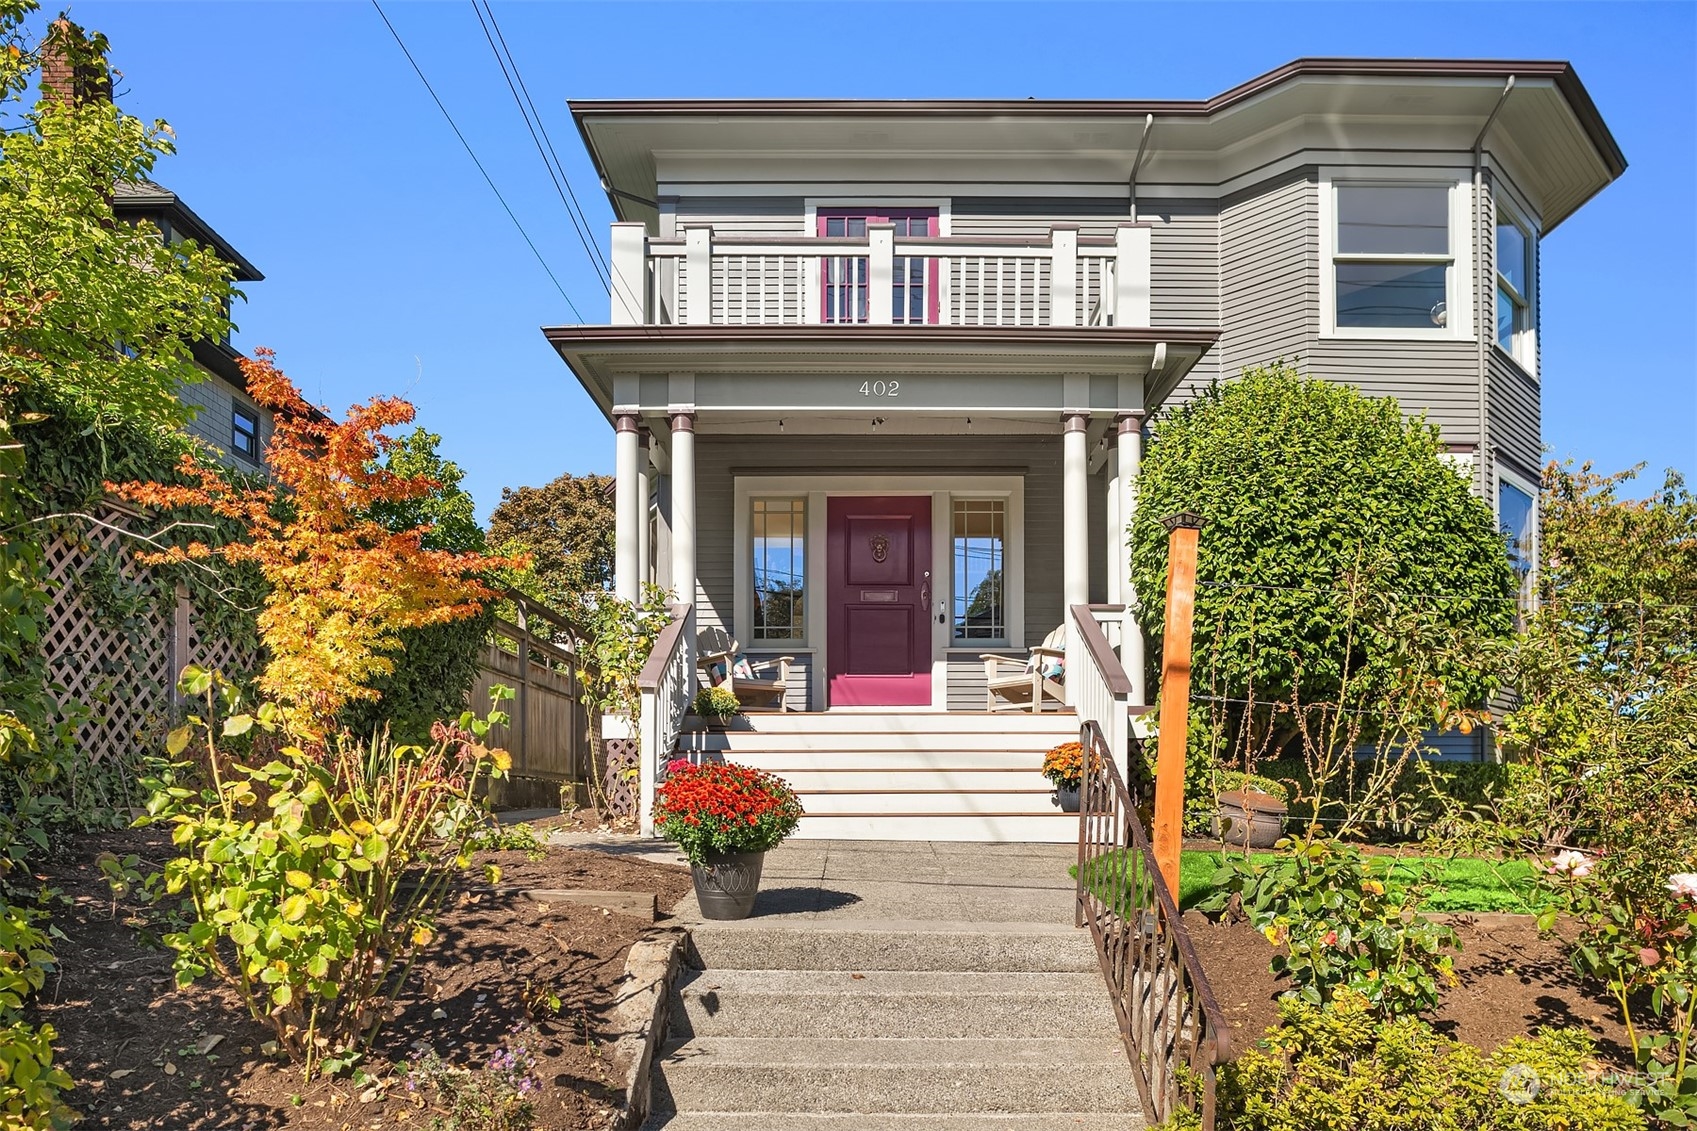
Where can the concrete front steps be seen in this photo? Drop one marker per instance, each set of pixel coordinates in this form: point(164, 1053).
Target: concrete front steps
point(892, 1027)
point(906, 775)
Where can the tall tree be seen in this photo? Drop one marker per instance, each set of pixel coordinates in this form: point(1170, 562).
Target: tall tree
point(567, 528)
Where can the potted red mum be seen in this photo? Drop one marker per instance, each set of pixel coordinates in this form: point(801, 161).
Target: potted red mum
point(724, 817)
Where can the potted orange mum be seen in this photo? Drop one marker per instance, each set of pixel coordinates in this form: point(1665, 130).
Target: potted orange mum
point(1063, 765)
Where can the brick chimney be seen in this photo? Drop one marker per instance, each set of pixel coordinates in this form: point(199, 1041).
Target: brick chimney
point(73, 66)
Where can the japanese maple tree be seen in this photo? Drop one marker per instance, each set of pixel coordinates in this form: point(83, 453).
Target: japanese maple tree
point(343, 585)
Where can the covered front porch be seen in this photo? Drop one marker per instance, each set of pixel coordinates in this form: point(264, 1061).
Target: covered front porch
point(882, 507)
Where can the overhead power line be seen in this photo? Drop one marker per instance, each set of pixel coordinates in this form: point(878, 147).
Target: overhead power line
point(539, 136)
point(511, 215)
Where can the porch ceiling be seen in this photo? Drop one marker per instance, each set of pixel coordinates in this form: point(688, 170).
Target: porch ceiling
point(782, 361)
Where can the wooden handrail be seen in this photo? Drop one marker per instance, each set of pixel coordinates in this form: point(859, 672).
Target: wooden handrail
point(664, 645)
point(1095, 642)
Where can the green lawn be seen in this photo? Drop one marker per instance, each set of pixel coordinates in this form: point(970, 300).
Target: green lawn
point(1465, 884)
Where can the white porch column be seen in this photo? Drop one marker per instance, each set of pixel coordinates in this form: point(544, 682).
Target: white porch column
point(644, 493)
point(698, 275)
point(1063, 275)
point(1129, 425)
point(627, 510)
point(1114, 534)
point(1075, 509)
point(1132, 269)
point(683, 504)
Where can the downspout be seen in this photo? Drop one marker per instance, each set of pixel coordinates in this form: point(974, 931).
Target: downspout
point(1483, 274)
point(1137, 163)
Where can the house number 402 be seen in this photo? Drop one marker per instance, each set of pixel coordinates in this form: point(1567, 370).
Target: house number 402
point(880, 388)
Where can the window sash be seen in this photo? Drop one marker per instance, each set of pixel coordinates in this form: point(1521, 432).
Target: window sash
point(978, 529)
point(1347, 317)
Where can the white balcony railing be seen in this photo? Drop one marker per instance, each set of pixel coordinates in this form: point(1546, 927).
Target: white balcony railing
point(701, 279)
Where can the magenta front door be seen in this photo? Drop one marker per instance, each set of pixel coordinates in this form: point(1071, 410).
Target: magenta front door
point(878, 579)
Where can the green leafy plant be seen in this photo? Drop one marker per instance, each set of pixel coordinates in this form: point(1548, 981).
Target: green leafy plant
point(314, 880)
point(723, 807)
point(716, 703)
point(1343, 927)
point(493, 835)
point(31, 1085)
point(1637, 908)
point(1338, 1067)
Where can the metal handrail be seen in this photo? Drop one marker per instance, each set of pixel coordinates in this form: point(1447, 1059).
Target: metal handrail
point(1166, 1010)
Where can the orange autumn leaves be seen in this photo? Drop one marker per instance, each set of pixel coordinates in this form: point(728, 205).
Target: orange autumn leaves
point(342, 585)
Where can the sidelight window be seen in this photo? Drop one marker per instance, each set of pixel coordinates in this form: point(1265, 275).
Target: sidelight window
point(780, 534)
point(980, 550)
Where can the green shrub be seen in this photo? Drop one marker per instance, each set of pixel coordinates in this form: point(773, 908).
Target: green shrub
point(1338, 1068)
point(1345, 928)
point(30, 1084)
point(313, 880)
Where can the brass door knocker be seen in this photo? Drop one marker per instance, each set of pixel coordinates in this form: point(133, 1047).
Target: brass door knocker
point(880, 548)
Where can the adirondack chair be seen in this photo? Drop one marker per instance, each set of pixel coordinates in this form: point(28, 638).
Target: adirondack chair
point(716, 650)
point(1012, 684)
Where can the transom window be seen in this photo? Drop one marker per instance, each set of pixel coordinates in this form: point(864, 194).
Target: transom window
point(244, 432)
point(779, 527)
point(1514, 288)
point(980, 547)
point(1393, 256)
point(845, 278)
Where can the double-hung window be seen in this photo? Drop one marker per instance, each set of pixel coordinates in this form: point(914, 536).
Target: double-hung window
point(1393, 256)
point(846, 278)
point(1515, 248)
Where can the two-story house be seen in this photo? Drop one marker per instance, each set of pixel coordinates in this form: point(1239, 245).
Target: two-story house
point(880, 372)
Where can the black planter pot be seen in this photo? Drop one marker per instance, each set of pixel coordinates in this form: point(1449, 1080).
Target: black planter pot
point(1067, 799)
point(726, 887)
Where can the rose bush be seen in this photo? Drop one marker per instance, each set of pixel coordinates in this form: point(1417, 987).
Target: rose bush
point(723, 807)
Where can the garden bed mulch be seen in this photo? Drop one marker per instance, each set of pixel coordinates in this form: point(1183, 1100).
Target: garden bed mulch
point(1513, 980)
point(146, 1055)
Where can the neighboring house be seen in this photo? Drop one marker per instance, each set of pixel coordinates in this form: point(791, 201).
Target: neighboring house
point(227, 417)
point(880, 372)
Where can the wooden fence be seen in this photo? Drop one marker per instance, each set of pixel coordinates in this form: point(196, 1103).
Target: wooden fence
point(549, 732)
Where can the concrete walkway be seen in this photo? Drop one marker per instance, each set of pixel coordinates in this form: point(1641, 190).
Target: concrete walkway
point(894, 986)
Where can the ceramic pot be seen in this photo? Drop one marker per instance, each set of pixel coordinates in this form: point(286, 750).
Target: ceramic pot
point(1067, 799)
point(1247, 818)
point(726, 887)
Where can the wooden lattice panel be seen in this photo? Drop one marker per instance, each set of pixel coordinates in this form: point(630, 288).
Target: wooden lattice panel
point(219, 653)
point(119, 668)
point(623, 756)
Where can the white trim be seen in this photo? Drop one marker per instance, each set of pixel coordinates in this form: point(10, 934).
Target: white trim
point(1525, 352)
point(816, 489)
point(1458, 291)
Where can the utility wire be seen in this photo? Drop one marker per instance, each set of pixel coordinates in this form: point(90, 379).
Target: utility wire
point(1648, 606)
point(534, 126)
point(558, 164)
point(473, 155)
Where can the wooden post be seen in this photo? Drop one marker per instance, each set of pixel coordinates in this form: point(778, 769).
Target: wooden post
point(1182, 534)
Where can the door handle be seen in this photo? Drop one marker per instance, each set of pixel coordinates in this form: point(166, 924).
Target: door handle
point(925, 591)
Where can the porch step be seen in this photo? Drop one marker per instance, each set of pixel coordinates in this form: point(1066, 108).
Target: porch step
point(892, 1121)
point(938, 946)
point(906, 775)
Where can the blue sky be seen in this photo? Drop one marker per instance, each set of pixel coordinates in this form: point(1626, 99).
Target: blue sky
point(308, 142)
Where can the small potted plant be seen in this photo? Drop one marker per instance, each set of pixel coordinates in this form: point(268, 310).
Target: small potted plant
point(1063, 765)
point(724, 817)
point(1251, 810)
point(716, 707)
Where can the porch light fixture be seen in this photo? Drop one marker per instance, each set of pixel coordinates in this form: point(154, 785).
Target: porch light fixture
point(876, 420)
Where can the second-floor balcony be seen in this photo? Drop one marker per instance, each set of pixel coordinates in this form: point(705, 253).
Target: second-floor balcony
point(879, 278)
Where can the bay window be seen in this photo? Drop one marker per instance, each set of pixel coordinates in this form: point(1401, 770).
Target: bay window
point(1517, 518)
